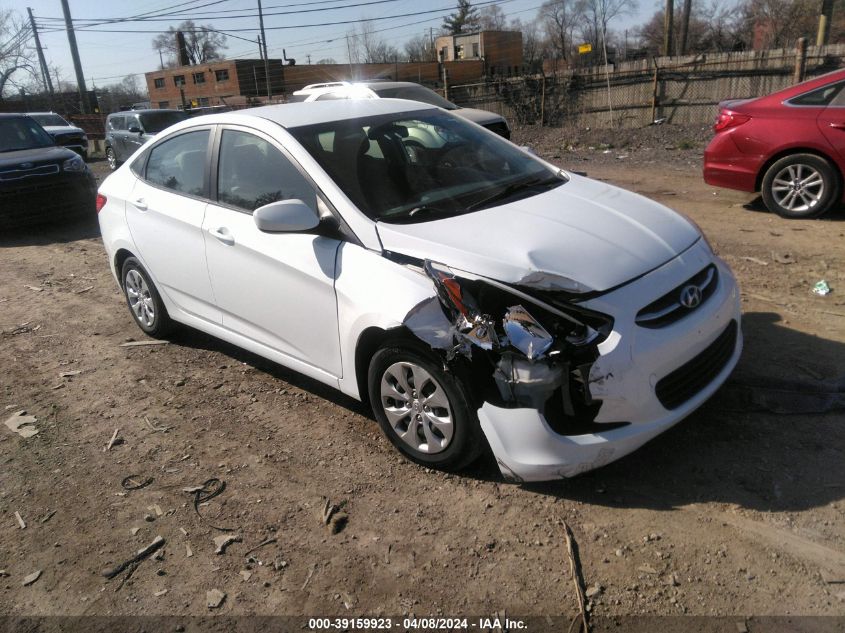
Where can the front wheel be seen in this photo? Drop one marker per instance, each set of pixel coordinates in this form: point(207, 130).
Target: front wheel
point(801, 186)
point(143, 300)
point(423, 410)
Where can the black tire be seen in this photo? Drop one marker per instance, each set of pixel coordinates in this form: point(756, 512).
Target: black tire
point(159, 324)
point(827, 196)
point(111, 157)
point(467, 441)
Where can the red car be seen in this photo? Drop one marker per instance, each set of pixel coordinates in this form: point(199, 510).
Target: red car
point(789, 146)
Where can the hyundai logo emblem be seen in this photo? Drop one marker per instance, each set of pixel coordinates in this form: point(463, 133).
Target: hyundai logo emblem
point(690, 297)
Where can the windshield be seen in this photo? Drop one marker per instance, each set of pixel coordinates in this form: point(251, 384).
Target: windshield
point(22, 133)
point(420, 166)
point(50, 119)
point(414, 93)
point(155, 122)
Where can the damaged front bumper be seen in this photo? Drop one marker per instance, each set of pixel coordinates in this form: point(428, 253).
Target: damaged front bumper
point(633, 377)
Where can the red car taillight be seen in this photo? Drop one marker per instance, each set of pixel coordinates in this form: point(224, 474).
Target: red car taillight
point(728, 120)
point(101, 202)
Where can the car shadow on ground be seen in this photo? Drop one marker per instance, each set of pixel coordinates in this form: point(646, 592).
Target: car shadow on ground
point(195, 339)
point(836, 214)
point(62, 231)
point(775, 453)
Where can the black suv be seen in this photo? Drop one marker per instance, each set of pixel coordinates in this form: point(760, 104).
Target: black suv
point(127, 131)
point(40, 181)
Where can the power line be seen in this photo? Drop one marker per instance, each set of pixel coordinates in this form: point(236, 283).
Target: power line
point(251, 15)
point(302, 26)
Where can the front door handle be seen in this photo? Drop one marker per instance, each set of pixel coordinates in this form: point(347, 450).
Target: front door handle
point(838, 126)
point(223, 234)
point(140, 203)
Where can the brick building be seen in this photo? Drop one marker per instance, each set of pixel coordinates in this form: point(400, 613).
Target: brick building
point(501, 51)
point(225, 82)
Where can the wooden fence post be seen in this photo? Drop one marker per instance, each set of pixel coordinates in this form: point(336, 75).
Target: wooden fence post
point(543, 101)
point(445, 83)
point(655, 99)
point(800, 60)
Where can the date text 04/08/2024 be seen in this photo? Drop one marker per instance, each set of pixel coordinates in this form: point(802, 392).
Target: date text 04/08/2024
point(416, 624)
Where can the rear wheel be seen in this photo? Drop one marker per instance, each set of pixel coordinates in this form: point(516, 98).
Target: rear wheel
point(801, 186)
point(424, 410)
point(143, 300)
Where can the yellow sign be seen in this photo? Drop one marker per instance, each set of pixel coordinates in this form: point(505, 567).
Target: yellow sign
point(585, 48)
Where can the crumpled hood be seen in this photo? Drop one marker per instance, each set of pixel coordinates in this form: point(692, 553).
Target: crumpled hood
point(593, 233)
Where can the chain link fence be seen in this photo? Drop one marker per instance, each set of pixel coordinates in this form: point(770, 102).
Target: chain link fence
point(634, 94)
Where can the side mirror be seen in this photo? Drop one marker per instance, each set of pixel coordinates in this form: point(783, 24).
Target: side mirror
point(287, 216)
point(134, 129)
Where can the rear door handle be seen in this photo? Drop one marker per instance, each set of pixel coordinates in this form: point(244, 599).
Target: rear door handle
point(140, 203)
point(223, 235)
point(838, 126)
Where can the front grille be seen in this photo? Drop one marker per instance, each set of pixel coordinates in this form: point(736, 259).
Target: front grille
point(17, 174)
point(693, 376)
point(69, 139)
point(500, 128)
point(668, 308)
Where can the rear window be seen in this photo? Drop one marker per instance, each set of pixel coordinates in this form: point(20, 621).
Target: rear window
point(155, 122)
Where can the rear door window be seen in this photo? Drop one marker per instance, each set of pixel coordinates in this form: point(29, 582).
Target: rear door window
point(178, 164)
point(820, 97)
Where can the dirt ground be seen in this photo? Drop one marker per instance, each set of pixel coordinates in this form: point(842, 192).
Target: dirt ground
point(739, 510)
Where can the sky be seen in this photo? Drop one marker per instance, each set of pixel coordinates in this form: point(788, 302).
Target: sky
point(108, 57)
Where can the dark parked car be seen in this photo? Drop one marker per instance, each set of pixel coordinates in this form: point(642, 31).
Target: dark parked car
point(40, 181)
point(789, 146)
point(127, 131)
point(63, 132)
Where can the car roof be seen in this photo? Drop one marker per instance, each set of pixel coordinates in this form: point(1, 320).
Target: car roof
point(31, 113)
point(12, 115)
point(290, 115)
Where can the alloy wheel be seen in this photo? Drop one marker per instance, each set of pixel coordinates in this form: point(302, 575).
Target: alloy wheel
point(798, 187)
point(417, 407)
point(140, 300)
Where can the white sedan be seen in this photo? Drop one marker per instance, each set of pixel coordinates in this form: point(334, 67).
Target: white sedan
point(477, 296)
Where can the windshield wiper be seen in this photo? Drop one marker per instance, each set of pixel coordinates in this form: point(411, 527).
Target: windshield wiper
point(416, 214)
point(511, 189)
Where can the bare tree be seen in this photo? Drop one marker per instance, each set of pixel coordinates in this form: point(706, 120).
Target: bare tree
point(532, 41)
point(464, 20)
point(16, 59)
point(420, 49)
point(598, 14)
point(114, 97)
point(365, 47)
point(202, 43)
point(492, 18)
point(778, 23)
point(560, 19)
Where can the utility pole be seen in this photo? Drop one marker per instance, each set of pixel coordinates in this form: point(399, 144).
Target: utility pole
point(264, 46)
point(668, 27)
point(685, 26)
point(74, 53)
point(825, 18)
point(45, 73)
